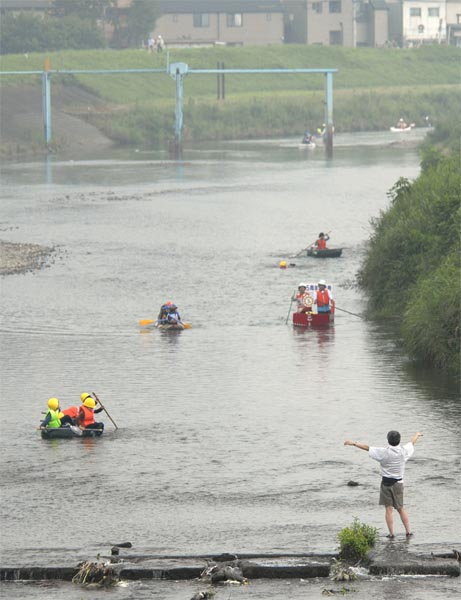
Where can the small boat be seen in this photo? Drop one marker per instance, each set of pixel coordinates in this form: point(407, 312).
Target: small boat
point(402, 129)
point(170, 326)
point(311, 144)
point(311, 319)
point(326, 253)
point(60, 433)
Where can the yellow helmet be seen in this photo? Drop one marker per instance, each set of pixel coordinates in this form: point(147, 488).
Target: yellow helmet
point(84, 396)
point(53, 403)
point(283, 264)
point(89, 402)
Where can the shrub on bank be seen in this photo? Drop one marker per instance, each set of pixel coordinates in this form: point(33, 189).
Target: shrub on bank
point(356, 541)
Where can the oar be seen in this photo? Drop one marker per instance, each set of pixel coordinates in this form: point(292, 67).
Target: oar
point(349, 312)
point(145, 322)
point(289, 310)
point(105, 409)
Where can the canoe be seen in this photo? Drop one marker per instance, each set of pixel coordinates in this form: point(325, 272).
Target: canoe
point(169, 326)
point(326, 253)
point(307, 145)
point(311, 319)
point(60, 433)
point(402, 129)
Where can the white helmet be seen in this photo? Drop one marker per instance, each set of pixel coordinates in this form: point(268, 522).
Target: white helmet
point(302, 285)
point(322, 282)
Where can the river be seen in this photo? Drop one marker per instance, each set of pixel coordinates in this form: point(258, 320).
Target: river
point(230, 433)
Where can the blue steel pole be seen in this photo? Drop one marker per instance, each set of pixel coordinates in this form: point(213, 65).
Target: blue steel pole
point(46, 106)
point(178, 112)
point(329, 113)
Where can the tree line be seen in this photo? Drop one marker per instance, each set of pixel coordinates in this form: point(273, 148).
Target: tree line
point(78, 24)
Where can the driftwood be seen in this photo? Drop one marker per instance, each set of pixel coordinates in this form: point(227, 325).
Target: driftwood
point(99, 574)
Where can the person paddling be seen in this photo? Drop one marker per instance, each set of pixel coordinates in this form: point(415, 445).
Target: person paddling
point(321, 242)
point(86, 414)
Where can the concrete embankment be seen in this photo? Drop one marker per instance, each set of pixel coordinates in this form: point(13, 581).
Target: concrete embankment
point(384, 561)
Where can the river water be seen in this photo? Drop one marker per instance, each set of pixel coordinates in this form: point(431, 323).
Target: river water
point(230, 433)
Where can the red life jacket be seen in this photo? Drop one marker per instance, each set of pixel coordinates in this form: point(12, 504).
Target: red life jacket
point(323, 298)
point(321, 244)
point(72, 412)
point(86, 416)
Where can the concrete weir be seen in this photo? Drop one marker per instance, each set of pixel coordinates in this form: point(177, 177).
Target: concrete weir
point(384, 561)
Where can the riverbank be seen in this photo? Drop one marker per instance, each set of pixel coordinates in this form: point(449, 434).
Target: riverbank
point(372, 89)
point(21, 258)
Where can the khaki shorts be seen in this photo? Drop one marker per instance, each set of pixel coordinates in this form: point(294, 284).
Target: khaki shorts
point(391, 495)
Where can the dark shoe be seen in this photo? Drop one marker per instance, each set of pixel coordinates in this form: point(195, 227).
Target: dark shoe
point(390, 536)
point(409, 535)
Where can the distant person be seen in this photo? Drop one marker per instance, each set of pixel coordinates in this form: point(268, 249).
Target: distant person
point(69, 416)
point(160, 43)
point(323, 298)
point(321, 242)
point(392, 460)
point(401, 124)
point(150, 44)
point(308, 138)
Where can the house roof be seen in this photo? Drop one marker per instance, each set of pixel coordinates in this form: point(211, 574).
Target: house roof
point(220, 6)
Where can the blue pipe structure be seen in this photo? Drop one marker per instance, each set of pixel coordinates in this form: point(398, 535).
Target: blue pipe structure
point(178, 71)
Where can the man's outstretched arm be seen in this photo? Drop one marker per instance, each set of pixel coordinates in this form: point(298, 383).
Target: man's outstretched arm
point(357, 445)
point(416, 437)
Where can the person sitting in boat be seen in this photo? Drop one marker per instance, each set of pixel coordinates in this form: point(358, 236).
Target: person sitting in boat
point(401, 124)
point(86, 413)
point(321, 243)
point(323, 297)
point(52, 419)
point(308, 138)
point(69, 416)
point(173, 317)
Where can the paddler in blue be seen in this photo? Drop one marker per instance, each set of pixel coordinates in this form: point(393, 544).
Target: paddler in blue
point(52, 419)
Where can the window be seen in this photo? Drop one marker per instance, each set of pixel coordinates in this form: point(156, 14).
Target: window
point(433, 12)
point(317, 7)
point(234, 20)
point(201, 20)
point(336, 38)
point(415, 12)
point(334, 6)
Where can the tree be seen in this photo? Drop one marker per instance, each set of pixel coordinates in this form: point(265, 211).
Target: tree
point(91, 10)
point(133, 24)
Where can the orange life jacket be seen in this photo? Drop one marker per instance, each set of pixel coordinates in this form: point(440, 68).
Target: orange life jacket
point(321, 244)
point(72, 412)
point(86, 416)
point(323, 298)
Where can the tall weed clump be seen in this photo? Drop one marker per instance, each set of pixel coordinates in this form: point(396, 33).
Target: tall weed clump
point(356, 541)
point(412, 267)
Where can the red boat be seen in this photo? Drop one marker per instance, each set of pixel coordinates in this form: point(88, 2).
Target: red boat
point(309, 318)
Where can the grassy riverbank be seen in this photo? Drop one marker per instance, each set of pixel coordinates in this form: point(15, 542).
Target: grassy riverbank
point(413, 265)
point(372, 89)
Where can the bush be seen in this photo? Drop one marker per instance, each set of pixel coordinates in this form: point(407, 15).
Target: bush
point(356, 541)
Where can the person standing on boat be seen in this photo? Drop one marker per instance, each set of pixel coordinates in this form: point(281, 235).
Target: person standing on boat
point(392, 460)
point(321, 243)
point(86, 413)
point(301, 298)
point(52, 419)
point(323, 297)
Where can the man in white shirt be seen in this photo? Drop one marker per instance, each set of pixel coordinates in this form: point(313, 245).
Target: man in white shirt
point(392, 460)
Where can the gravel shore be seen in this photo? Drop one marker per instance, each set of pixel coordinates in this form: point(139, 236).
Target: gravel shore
point(21, 258)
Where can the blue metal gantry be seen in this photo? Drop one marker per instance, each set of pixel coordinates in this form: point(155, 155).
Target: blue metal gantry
point(178, 71)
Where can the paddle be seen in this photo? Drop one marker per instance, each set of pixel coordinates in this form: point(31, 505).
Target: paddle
point(307, 247)
point(289, 310)
point(348, 312)
point(146, 322)
point(105, 410)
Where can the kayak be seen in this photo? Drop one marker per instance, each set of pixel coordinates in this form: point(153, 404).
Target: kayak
point(60, 433)
point(307, 145)
point(402, 129)
point(310, 319)
point(170, 326)
point(326, 253)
